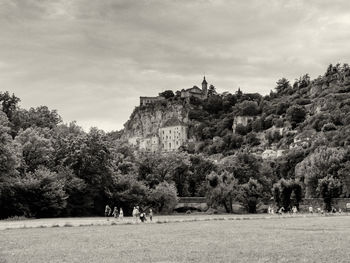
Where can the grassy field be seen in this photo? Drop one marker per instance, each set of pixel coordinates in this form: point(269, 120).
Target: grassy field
point(315, 239)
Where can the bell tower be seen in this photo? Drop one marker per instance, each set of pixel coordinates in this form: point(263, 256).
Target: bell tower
point(205, 87)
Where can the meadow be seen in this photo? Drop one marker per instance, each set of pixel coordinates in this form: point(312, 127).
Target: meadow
point(298, 239)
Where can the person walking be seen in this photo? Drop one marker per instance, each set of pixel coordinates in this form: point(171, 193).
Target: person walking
point(137, 213)
point(121, 214)
point(115, 212)
point(107, 211)
point(311, 210)
point(134, 214)
point(150, 214)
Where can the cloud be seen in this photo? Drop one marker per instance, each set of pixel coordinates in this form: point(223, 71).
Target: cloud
point(91, 60)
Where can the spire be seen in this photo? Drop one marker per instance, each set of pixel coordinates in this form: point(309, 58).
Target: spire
point(204, 81)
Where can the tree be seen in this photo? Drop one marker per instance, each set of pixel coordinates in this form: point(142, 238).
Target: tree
point(243, 166)
point(163, 197)
point(296, 114)
point(128, 192)
point(222, 190)
point(344, 177)
point(241, 129)
point(9, 162)
point(200, 168)
point(167, 94)
point(281, 108)
point(43, 117)
point(9, 157)
point(90, 159)
point(250, 195)
point(40, 194)
point(248, 108)
point(79, 201)
point(36, 148)
point(282, 85)
point(329, 188)
point(287, 193)
point(213, 104)
point(322, 162)
point(211, 90)
point(9, 104)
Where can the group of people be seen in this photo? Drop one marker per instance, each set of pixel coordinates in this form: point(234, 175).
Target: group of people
point(294, 210)
point(137, 213)
point(281, 210)
point(115, 213)
point(321, 211)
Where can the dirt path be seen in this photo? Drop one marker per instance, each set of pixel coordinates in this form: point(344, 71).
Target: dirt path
point(99, 221)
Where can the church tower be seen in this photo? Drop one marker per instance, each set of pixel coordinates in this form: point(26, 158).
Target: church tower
point(205, 87)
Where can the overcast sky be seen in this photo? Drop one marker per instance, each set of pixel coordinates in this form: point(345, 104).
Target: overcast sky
point(91, 60)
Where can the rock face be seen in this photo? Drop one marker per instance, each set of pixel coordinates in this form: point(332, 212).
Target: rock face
point(146, 121)
point(242, 120)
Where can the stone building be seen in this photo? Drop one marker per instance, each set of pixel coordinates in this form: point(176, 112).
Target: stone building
point(172, 135)
point(149, 144)
point(148, 100)
point(271, 154)
point(196, 92)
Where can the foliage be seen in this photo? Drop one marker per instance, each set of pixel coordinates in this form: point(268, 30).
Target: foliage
point(167, 94)
point(248, 108)
point(329, 188)
point(250, 195)
point(40, 194)
point(287, 193)
point(296, 114)
point(222, 190)
point(318, 165)
point(163, 197)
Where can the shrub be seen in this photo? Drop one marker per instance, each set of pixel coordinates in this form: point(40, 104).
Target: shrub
point(329, 127)
point(241, 129)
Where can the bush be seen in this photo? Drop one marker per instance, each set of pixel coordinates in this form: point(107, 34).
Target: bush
point(241, 129)
point(329, 127)
point(249, 108)
point(296, 114)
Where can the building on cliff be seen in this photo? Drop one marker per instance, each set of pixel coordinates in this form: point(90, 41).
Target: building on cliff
point(149, 144)
point(172, 135)
point(148, 100)
point(196, 92)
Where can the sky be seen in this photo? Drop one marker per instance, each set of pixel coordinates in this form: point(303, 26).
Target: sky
point(92, 60)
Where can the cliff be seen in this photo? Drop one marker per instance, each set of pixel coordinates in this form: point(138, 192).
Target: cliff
point(145, 121)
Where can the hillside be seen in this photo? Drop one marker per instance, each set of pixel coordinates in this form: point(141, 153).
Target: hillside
point(302, 114)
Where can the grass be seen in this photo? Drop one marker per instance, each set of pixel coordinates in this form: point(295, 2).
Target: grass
point(311, 239)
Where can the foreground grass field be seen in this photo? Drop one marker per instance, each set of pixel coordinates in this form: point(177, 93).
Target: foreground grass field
point(315, 239)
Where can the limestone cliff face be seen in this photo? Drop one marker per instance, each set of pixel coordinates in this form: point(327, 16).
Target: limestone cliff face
point(145, 121)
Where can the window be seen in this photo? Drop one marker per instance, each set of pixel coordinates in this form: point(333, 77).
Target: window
point(169, 145)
